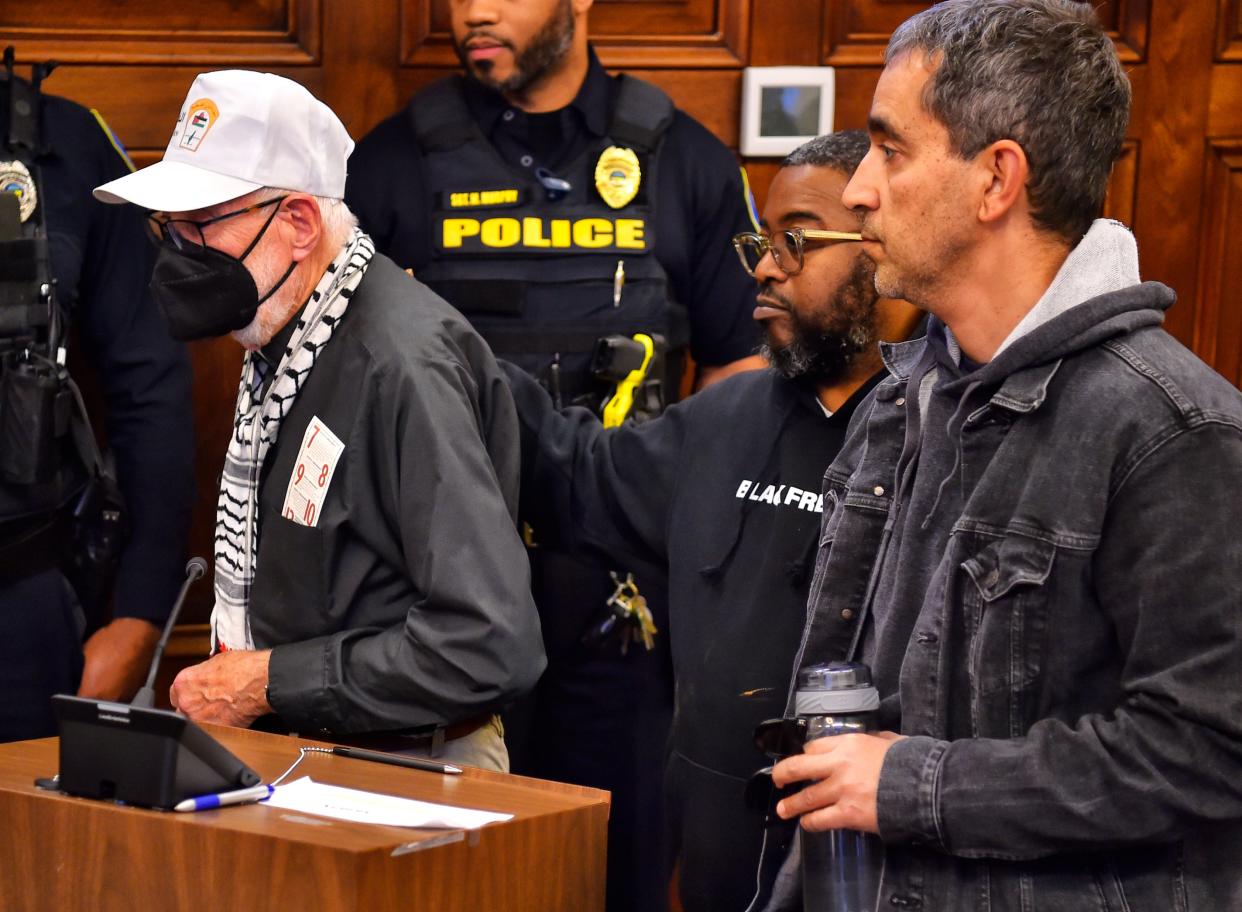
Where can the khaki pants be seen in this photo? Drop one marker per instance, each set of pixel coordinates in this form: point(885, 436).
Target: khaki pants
point(484, 747)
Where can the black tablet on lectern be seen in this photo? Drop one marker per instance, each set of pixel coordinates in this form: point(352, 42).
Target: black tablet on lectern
point(147, 757)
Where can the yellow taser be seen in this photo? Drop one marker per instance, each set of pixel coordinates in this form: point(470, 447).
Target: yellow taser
point(622, 400)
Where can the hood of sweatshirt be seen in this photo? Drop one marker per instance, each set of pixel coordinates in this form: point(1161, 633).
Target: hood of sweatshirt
point(1095, 296)
point(1019, 375)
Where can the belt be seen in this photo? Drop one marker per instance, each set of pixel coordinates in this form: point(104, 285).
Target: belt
point(399, 741)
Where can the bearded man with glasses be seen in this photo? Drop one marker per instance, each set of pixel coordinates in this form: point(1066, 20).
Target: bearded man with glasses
point(371, 587)
point(786, 246)
point(722, 491)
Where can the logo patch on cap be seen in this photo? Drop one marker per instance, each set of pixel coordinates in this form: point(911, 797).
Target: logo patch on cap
point(198, 120)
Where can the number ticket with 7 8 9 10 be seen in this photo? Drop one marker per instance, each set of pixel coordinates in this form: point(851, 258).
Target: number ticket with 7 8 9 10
point(312, 474)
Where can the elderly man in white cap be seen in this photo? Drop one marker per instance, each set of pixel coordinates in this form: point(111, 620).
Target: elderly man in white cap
point(371, 587)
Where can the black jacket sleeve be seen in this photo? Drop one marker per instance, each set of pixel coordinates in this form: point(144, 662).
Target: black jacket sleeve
point(608, 491)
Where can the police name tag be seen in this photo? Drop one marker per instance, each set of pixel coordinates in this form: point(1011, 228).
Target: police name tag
point(312, 473)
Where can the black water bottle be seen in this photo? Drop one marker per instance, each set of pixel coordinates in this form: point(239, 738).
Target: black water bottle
point(840, 868)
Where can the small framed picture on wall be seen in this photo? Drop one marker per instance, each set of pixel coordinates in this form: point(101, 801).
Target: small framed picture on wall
point(783, 107)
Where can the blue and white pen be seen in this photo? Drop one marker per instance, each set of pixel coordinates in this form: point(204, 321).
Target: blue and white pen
point(241, 796)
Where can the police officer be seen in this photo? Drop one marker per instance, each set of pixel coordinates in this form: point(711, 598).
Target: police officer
point(555, 205)
point(58, 518)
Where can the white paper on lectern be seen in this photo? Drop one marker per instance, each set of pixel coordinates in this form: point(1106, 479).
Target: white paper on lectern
point(310, 797)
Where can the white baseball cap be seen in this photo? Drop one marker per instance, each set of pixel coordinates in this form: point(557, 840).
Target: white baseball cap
point(238, 131)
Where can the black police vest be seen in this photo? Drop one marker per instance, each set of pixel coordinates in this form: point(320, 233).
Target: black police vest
point(47, 451)
point(542, 279)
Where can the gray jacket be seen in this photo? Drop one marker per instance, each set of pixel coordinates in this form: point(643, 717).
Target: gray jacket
point(1040, 560)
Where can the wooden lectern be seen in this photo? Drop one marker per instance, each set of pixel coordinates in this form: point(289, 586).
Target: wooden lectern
point(59, 853)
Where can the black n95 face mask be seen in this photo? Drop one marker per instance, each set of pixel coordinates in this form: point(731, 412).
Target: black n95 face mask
point(205, 292)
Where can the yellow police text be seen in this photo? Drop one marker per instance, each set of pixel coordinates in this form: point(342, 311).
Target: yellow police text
point(533, 232)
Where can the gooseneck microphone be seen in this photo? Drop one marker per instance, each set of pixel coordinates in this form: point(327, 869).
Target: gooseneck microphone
point(194, 570)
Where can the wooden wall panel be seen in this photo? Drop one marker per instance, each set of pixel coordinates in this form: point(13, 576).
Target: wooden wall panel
point(144, 21)
point(627, 33)
point(669, 34)
point(856, 31)
point(1218, 333)
point(1123, 185)
point(1171, 120)
point(1229, 31)
point(359, 75)
point(1225, 101)
point(1127, 23)
point(209, 32)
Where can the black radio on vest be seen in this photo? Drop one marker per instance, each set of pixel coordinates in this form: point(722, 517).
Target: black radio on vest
point(544, 265)
point(59, 502)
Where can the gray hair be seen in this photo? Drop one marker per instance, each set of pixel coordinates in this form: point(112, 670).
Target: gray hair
point(842, 151)
point(1039, 72)
point(338, 221)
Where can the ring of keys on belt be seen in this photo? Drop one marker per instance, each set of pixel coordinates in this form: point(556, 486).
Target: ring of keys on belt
point(630, 611)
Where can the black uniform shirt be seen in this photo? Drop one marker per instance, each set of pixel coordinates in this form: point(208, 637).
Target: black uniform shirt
point(701, 201)
point(101, 260)
point(547, 139)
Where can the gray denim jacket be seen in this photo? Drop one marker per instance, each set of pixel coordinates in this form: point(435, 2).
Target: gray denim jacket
point(1067, 659)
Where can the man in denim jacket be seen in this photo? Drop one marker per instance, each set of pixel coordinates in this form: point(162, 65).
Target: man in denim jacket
point(1034, 540)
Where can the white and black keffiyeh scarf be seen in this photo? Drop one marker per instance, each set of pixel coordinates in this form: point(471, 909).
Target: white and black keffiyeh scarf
point(256, 426)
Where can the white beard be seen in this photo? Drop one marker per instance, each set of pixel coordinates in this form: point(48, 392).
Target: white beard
point(266, 269)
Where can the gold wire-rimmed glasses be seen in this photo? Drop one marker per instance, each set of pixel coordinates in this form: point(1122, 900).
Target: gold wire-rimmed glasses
point(787, 247)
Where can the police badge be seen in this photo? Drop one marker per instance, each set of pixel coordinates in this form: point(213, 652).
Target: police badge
point(15, 178)
point(617, 176)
